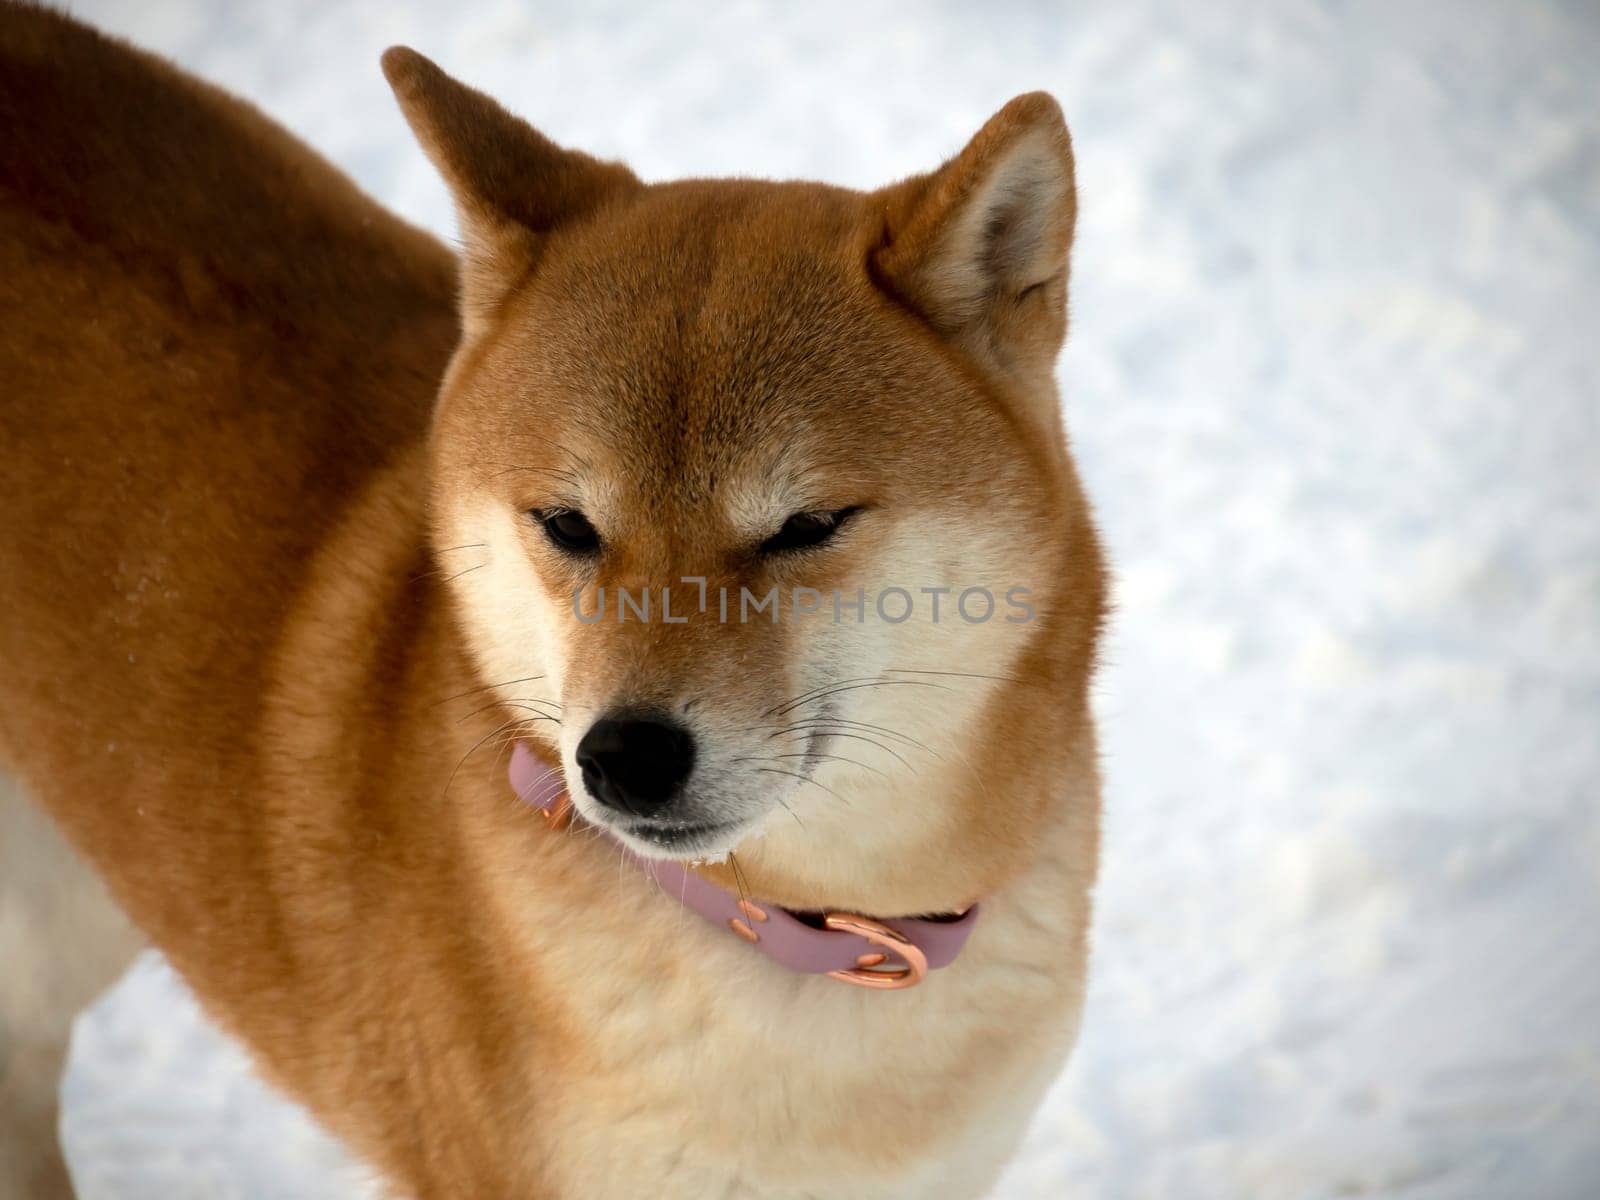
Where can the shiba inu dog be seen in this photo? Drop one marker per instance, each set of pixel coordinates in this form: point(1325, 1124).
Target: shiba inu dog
point(728, 524)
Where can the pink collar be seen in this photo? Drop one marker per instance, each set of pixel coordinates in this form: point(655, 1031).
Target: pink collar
point(842, 945)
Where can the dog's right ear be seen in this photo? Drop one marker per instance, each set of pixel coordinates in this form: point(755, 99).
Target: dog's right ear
point(980, 247)
point(512, 185)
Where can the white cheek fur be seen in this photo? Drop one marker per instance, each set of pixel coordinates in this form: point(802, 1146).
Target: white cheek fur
point(510, 619)
point(920, 683)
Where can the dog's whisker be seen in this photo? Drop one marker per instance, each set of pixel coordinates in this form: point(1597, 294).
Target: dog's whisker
point(527, 705)
point(884, 730)
point(471, 750)
point(804, 779)
point(467, 571)
point(484, 688)
point(820, 757)
point(861, 737)
point(856, 687)
point(958, 674)
point(818, 722)
point(807, 695)
point(811, 754)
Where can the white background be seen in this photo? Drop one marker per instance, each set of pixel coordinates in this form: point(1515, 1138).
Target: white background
point(1335, 387)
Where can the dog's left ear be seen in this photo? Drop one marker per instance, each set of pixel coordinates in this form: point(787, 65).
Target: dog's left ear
point(512, 185)
point(980, 246)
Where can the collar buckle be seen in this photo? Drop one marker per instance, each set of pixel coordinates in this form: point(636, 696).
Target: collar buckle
point(866, 973)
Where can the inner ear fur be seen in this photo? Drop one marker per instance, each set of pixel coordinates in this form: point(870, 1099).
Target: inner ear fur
point(511, 184)
point(980, 247)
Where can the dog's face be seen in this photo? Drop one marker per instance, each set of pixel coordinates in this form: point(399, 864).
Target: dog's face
point(751, 495)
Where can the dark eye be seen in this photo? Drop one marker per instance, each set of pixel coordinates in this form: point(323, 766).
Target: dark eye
point(568, 529)
point(807, 529)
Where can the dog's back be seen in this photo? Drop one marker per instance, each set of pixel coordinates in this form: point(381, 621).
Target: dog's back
point(208, 339)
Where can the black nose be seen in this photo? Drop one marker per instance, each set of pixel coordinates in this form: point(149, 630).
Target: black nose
point(635, 765)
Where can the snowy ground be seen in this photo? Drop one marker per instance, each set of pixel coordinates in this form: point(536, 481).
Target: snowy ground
point(1335, 386)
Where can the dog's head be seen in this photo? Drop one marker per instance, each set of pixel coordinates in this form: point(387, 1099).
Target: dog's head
point(753, 496)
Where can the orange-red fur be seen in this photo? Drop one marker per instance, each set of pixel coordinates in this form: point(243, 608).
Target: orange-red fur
point(241, 667)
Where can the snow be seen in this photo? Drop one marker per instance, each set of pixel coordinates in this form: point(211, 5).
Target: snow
point(1334, 385)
